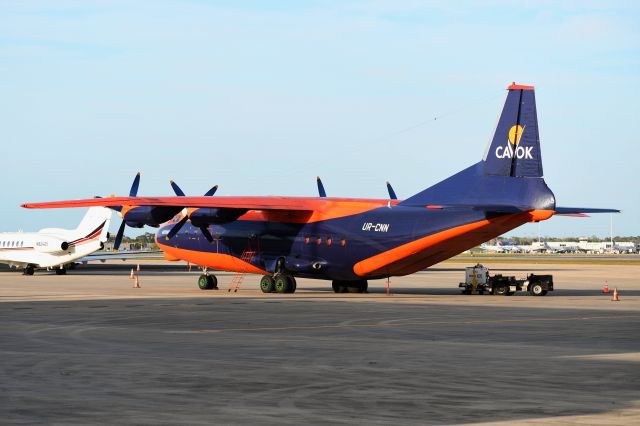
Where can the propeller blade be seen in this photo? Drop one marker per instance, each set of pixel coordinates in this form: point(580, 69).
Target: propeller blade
point(119, 235)
point(176, 228)
point(321, 190)
point(206, 233)
point(134, 186)
point(392, 193)
point(180, 193)
point(176, 189)
point(212, 191)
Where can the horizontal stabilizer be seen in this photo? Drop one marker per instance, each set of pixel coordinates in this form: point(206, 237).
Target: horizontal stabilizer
point(581, 211)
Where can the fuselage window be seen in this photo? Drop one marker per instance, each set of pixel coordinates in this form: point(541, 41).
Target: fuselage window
point(319, 241)
point(329, 241)
point(343, 242)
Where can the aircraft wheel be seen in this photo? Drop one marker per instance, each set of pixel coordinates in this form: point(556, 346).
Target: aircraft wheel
point(61, 271)
point(28, 270)
point(283, 283)
point(357, 287)
point(338, 286)
point(207, 282)
point(267, 284)
point(294, 284)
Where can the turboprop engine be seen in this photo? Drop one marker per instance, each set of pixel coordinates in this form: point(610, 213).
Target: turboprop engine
point(214, 216)
point(137, 217)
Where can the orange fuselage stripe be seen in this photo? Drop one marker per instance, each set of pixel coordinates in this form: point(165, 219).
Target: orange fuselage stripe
point(223, 262)
point(415, 255)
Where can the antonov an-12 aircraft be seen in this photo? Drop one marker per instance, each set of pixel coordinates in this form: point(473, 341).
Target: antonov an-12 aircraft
point(53, 248)
point(352, 240)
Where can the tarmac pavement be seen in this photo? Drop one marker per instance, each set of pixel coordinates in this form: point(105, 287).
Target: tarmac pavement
point(87, 348)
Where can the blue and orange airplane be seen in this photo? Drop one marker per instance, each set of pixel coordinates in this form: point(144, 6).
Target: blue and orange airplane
point(348, 240)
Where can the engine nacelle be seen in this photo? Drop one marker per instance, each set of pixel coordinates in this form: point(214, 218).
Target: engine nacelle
point(45, 244)
point(214, 216)
point(137, 217)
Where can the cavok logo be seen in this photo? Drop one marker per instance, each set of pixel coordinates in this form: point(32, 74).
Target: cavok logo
point(513, 148)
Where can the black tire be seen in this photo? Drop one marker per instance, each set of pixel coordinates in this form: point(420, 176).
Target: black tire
point(212, 282)
point(338, 286)
point(61, 271)
point(294, 284)
point(357, 287)
point(501, 290)
point(205, 282)
point(28, 270)
point(283, 283)
point(267, 284)
point(536, 290)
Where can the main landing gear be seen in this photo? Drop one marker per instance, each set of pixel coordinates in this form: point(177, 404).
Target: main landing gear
point(28, 270)
point(350, 286)
point(61, 271)
point(207, 282)
point(278, 283)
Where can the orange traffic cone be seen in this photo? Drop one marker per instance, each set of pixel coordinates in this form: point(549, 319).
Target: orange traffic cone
point(136, 283)
point(616, 296)
point(132, 276)
point(605, 289)
point(189, 266)
point(138, 268)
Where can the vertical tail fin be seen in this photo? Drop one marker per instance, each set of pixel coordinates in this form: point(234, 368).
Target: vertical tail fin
point(95, 223)
point(515, 148)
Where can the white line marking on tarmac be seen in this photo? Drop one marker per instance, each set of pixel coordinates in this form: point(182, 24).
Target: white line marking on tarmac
point(404, 324)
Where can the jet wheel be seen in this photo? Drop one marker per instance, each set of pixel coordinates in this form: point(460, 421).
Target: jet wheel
point(28, 270)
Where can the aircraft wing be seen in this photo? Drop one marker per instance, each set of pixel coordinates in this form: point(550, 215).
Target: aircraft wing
point(121, 255)
point(251, 203)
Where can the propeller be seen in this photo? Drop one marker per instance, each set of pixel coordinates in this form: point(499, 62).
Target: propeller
point(392, 193)
point(176, 228)
point(132, 193)
point(321, 190)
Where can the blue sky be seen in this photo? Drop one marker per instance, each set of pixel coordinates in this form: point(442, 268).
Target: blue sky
point(260, 97)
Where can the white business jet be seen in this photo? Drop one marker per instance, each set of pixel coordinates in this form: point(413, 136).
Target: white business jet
point(53, 248)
